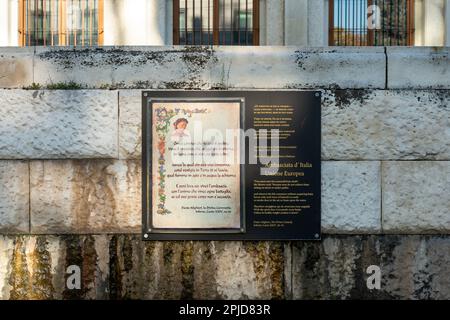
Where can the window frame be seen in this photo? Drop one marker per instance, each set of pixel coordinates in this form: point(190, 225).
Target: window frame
point(215, 23)
point(62, 18)
point(410, 27)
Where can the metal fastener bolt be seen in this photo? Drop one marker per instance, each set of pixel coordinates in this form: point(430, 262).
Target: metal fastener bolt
point(317, 94)
point(146, 235)
point(316, 235)
point(145, 94)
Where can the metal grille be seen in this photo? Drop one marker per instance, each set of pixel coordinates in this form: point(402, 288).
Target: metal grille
point(61, 22)
point(218, 22)
point(350, 25)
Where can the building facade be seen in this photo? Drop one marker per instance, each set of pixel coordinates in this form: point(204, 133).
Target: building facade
point(224, 22)
point(70, 146)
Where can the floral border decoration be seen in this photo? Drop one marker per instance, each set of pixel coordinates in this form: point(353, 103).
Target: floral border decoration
point(162, 126)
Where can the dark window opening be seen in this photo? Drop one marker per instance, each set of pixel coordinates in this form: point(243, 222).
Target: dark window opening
point(371, 23)
point(216, 22)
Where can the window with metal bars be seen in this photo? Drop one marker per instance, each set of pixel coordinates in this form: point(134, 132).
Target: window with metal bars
point(61, 22)
point(350, 25)
point(216, 22)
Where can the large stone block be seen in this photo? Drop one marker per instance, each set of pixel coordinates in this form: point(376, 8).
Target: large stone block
point(420, 67)
point(351, 197)
point(85, 196)
point(130, 122)
point(124, 267)
point(385, 125)
point(58, 124)
point(14, 197)
point(207, 68)
point(416, 196)
point(16, 67)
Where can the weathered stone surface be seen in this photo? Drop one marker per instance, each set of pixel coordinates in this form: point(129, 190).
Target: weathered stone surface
point(125, 67)
point(412, 267)
point(385, 125)
point(416, 196)
point(130, 121)
point(14, 197)
point(419, 67)
point(58, 124)
point(85, 196)
point(205, 67)
point(351, 197)
point(16, 67)
point(124, 267)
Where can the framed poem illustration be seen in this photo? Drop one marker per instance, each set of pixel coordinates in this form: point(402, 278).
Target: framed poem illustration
point(230, 165)
point(196, 175)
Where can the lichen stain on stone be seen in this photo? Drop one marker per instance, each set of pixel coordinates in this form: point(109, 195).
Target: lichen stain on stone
point(170, 286)
point(41, 279)
point(276, 265)
point(69, 59)
point(197, 57)
point(19, 279)
point(313, 279)
point(74, 256)
point(187, 270)
point(168, 251)
point(194, 57)
point(257, 249)
point(127, 252)
point(301, 58)
point(346, 97)
point(89, 267)
point(193, 83)
point(115, 272)
point(205, 271)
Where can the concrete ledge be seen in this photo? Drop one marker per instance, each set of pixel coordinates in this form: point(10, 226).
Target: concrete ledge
point(58, 124)
point(419, 67)
point(177, 67)
point(16, 67)
point(80, 196)
point(416, 197)
point(351, 197)
point(14, 197)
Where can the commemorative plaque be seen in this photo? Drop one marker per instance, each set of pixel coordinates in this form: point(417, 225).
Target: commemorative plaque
point(231, 165)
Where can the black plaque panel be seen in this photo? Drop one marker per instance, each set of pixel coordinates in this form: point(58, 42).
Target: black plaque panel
point(285, 206)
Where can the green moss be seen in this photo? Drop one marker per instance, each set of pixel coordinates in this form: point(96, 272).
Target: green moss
point(33, 86)
point(71, 85)
point(41, 280)
point(19, 279)
point(276, 255)
point(187, 270)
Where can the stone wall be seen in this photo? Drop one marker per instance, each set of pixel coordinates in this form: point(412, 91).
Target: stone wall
point(70, 174)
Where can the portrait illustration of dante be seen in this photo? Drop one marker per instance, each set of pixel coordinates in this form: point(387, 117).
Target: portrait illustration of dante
point(180, 133)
